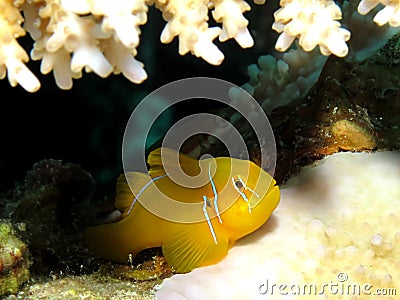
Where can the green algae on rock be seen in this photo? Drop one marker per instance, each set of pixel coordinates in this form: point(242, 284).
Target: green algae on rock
point(14, 260)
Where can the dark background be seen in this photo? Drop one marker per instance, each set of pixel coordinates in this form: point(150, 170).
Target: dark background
point(85, 125)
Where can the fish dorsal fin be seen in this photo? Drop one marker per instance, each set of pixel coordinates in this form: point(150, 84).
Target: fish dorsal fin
point(124, 195)
point(157, 166)
point(193, 246)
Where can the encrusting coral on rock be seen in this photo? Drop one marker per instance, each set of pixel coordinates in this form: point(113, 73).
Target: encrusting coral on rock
point(103, 36)
point(14, 260)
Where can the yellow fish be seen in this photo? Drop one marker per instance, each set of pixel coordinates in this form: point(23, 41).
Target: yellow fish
point(195, 226)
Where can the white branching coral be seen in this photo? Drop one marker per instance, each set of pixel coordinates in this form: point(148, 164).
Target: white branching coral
point(103, 36)
point(234, 24)
point(188, 21)
point(314, 22)
point(390, 13)
point(12, 55)
point(68, 39)
point(279, 79)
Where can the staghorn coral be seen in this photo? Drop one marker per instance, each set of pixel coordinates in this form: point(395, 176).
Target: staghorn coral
point(103, 36)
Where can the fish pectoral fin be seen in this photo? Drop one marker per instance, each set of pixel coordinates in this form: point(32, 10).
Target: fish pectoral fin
point(126, 193)
point(168, 159)
point(194, 247)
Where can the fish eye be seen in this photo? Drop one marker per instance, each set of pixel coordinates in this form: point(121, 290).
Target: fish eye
point(238, 183)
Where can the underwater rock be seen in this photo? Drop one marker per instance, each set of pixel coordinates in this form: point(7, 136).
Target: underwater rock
point(52, 202)
point(354, 106)
point(14, 260)
point(51, 207)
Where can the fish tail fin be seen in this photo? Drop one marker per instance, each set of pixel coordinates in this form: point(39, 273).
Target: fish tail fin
point(137, 230)
point(111, 241)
